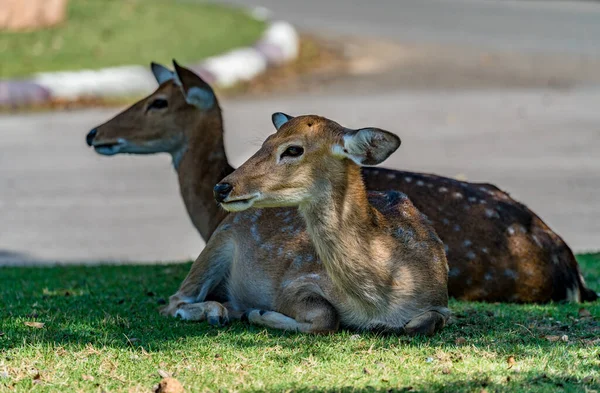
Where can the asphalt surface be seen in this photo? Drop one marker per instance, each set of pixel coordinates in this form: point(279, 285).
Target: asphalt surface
point(60, 202)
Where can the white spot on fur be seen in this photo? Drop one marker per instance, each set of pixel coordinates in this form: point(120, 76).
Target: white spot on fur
point(456, 228)
point(297, 261)
point(472, 199)
point(408, 179)
point(511, 230)
point(488, 276)
point(429, 185)
point(442, 189)
point(483, 189)
point(467, 243)
point(471, 255)
point(457, 195)
point(391, 176)
point(537, 241)
point(555, 259)
point(453, 272)
point(420, 183)
point(491, 213)
point(510, 273)
point(484, 250)
point(445, 221)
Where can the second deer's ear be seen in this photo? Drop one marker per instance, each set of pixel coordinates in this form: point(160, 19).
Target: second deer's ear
point(279, 119)
point(368, 146)
point(161, 73)
point(197, 92)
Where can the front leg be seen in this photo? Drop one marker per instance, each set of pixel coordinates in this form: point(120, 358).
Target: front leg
point(214, 312)
point(207, 272)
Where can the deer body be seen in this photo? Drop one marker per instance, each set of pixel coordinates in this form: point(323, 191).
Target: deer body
point(497, 249)
point(365, 261)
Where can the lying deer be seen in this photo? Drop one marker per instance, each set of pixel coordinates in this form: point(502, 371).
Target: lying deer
point(497, 249)
point(366, 261)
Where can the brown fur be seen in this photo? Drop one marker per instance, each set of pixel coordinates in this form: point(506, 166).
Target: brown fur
point(493, 254)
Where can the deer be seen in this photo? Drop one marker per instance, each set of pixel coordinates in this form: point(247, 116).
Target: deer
point(375, 262)
point(497, 249)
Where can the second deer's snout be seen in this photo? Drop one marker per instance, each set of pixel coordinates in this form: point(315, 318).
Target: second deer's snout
point(222, 191)
point(89, 138)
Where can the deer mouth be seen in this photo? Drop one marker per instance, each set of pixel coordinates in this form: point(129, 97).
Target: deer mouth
point(109, 148)
point(239, 204)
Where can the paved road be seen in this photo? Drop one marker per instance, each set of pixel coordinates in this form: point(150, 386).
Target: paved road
point(540, 26)
point(61, 202)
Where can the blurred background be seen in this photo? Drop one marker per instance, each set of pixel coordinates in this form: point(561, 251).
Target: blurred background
point(499, 91)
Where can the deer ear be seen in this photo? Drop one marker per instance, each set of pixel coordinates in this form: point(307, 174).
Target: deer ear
point(197, 92)
point(162, 73)
point(279, 119)
point(368, 146)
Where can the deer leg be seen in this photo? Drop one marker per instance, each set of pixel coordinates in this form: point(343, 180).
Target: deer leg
point(207, 272)
point(214, 312)
point(426, 324)
point(315, 316)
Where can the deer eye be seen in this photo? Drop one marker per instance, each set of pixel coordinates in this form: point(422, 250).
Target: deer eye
point(158, 103)
point(292, 151)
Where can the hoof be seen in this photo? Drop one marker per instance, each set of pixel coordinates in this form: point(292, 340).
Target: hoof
point(426, 324)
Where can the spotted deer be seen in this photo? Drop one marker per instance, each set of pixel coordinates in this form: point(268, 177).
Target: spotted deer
point(498, 250)
point(373, 260)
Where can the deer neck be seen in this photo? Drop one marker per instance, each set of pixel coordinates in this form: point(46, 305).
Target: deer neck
point(200, 164)
point(344, 229)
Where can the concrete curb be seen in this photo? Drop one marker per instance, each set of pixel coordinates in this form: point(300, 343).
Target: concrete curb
point(279, 44)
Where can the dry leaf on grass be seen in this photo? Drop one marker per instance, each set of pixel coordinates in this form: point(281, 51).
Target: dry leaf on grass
point(511, 361)
point(169, 385)
point(37, 325)
point(552, 338)
point(446, 370)
point(87, 377)
point(366, 371)
point(460, 341)
point(584, 313)
point(164, 374)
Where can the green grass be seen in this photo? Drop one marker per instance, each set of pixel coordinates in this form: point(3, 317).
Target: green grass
point(102, 33)
point(101, 323)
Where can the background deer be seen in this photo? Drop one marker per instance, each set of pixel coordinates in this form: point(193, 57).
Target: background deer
point(378, 264)
point(497, 249)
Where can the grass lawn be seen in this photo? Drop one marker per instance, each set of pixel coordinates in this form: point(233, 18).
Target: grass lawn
point(102, 332)
point(102, 33)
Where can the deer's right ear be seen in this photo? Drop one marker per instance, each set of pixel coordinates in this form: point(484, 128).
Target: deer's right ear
point(279, 119)
point(162, 73)
point(367, 146)
point(196, 91)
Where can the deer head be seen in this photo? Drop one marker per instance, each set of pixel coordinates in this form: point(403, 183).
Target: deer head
point(292, 164)
point(161, 122)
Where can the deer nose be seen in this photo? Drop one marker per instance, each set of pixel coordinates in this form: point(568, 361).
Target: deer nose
point(89, 138)
point(221, 191)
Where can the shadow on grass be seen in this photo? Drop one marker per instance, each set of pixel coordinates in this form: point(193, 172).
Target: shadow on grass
point(117, 306)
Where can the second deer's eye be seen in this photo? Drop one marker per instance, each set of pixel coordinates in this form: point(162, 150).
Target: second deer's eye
point(292, 151)
point(158, 103)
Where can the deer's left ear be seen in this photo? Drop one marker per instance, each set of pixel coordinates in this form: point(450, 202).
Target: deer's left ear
point(279, 119)
point(367, 146)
